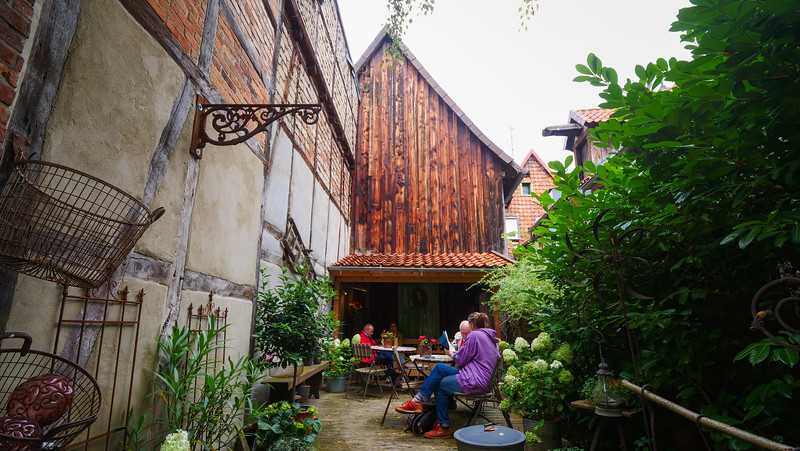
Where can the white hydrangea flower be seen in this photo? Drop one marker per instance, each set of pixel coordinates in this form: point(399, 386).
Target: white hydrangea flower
point(540, 366)
point(555, 364)
point(510, 379)
point(520, 344)
point(337, 342)
point(177, 441)
point(509, 356)
point(542, 341)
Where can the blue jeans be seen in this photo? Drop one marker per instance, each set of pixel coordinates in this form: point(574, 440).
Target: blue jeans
point(387, 358)
point(441, 382)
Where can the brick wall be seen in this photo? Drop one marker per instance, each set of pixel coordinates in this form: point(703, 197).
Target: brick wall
point(524, 207)
point(15, 28)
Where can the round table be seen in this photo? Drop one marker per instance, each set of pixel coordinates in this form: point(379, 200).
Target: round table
point(436, 358)
point(403, 349)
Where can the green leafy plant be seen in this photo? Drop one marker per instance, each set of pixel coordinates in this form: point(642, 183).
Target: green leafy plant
point(340, 355)
point(291, 323)
point(536, 380)
point(280, 421)
point(202, 396)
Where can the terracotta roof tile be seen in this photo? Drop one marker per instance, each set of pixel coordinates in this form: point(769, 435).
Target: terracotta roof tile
point(477, 260)
point(595, 115)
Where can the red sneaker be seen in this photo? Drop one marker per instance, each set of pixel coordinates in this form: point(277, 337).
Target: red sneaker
point(439, 432)
point(409, 406)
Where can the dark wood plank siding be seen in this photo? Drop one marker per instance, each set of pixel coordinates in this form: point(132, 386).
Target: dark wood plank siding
point(424, 181)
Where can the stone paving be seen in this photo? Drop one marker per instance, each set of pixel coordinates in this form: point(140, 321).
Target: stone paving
point(352, 424)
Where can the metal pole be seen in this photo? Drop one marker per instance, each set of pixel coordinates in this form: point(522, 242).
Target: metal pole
point(708, 422)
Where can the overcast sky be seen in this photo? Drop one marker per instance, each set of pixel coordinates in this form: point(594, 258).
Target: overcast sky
point(511, 82)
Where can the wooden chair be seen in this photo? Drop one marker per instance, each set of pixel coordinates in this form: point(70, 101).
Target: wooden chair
point(491, 393)
point(366, 368)
point(407, 385)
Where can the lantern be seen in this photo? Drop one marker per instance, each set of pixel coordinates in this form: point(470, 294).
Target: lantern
point(606, 394)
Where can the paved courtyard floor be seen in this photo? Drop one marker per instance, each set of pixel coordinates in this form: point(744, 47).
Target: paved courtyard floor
point(352, 424)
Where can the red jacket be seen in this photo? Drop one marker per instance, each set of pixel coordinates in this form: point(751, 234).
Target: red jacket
point(367, 340)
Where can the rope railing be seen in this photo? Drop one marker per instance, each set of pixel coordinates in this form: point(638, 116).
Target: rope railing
point(703, 420)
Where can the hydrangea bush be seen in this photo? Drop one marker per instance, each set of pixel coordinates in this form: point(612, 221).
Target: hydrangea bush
point(537, 378)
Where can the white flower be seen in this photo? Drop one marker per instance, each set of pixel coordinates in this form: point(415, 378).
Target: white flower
point(542, 341)
point(555, 364)
point(509, 356)
point(540, 366)
point(337, 342)
point(177, 441)
point(520, 344)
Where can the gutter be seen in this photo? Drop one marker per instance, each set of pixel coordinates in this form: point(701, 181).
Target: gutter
point(387, 269)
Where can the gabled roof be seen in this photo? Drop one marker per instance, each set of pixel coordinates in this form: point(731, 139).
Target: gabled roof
point(384, 35)
point(535, 156)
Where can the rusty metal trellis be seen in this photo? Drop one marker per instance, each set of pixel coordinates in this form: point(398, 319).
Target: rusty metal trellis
point(125, 314)
point(761, 316)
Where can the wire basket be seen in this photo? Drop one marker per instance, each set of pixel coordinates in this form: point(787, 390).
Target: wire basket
point(20, 365)
point(63, 225)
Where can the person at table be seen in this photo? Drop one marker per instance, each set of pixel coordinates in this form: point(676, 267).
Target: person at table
point(381, 357)
point(461, 335)
point(475, 363)
point(397, 334)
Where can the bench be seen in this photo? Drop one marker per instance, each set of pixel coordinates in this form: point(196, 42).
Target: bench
point(282, 386)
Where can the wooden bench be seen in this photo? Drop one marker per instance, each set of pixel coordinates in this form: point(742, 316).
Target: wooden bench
point(282, 386)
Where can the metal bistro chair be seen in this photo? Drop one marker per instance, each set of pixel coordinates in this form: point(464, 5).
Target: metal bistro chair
point(366, 368)
point(407, 385)
point(491, 393)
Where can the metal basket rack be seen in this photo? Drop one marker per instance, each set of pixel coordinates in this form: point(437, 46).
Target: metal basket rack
point(67, 226)
point(22, 364)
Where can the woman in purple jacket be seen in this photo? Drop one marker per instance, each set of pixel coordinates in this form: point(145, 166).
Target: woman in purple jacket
point(475, 360)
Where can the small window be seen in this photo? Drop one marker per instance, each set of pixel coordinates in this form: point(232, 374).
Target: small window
point(512, 228)
point(526, 189)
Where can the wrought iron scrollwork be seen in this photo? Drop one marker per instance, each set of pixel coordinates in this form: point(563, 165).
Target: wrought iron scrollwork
point(762, 316)
point(236, 123)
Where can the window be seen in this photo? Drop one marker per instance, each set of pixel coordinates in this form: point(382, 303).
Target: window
point(512, 228)
point(526, 189)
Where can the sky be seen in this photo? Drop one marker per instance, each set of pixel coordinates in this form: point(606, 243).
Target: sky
point(514, 82)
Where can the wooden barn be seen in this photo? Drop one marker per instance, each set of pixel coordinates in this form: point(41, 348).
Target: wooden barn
point(428, 203)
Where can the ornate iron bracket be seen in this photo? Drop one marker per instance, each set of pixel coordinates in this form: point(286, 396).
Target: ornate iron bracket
point(760, 317)
point(236, 123)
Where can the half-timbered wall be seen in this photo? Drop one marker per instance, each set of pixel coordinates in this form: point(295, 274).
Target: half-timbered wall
point(108, 88)
point(423, 180)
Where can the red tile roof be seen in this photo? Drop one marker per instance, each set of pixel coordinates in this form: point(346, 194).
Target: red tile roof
point(595, 115)
point(476, 260)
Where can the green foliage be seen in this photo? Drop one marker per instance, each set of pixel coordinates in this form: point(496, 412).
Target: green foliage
point(699, 208)
point(205, 397)
point(280, 421)
point(536, 380)
point(340, 354)
point(519, 289)
point(401, 14)
point(290, 322)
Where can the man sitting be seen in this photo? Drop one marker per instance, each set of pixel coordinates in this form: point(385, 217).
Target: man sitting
point(382, 357)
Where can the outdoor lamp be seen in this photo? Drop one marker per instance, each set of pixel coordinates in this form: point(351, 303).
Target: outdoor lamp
point(606, 395)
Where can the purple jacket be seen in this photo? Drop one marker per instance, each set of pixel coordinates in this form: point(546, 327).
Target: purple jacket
point(476, 360)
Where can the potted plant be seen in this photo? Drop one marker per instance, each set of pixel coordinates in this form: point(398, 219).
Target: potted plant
point(387, 339)
point(290, 321)
point(425, 345)
point(285, 421)
point(535, 386)
point(341, 359)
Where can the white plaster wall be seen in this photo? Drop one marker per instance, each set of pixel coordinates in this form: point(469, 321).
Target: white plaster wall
point(239, 314)
point(225, 221)
point(35, 310)
point(334, 224)
point(319, 221)
point(300, 197)
point(115, 98)
point(278, 182)
point(161, 239)
point(344, 242)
